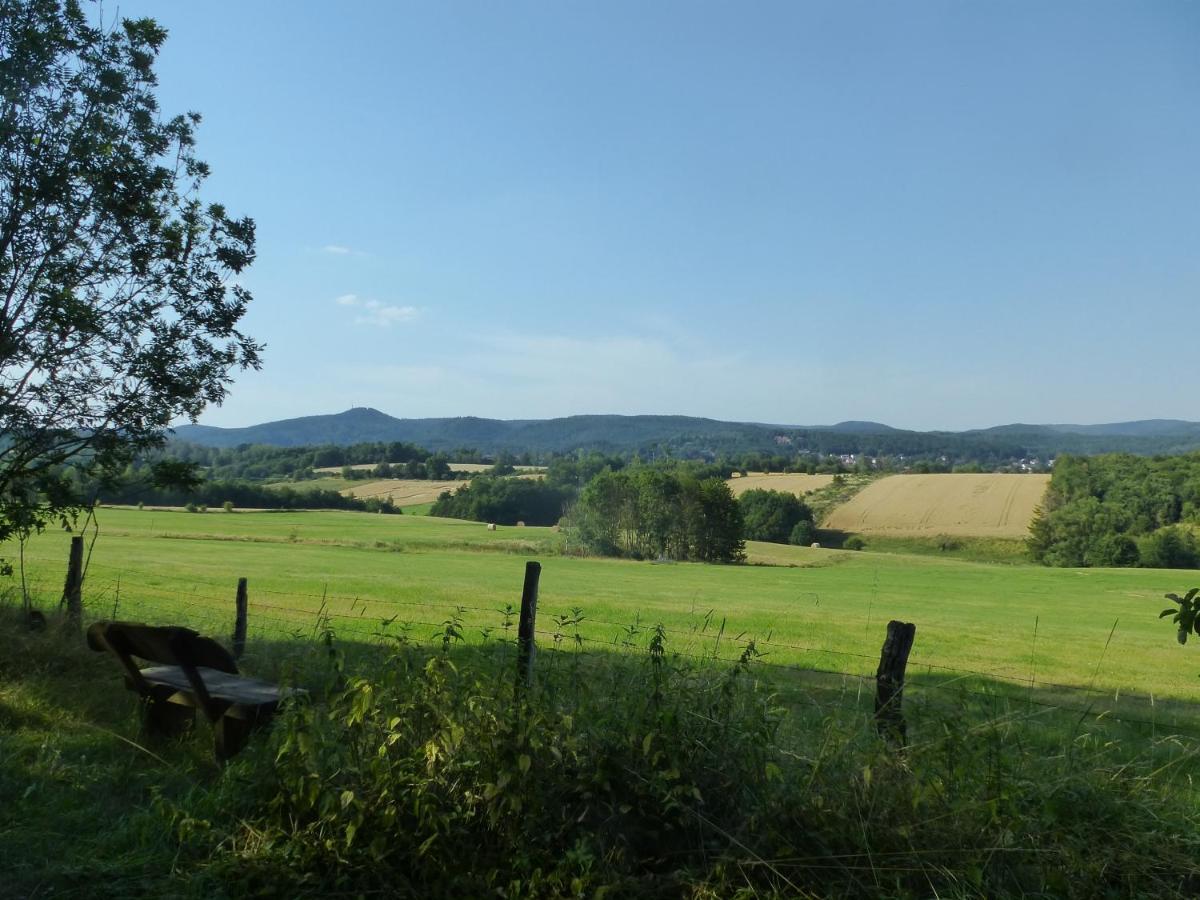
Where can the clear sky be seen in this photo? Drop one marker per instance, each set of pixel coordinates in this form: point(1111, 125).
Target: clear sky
point(935, 215)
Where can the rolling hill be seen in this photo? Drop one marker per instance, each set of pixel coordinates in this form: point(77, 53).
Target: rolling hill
point(689, 436)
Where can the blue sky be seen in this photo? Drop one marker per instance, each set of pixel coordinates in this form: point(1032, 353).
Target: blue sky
point(936, 215)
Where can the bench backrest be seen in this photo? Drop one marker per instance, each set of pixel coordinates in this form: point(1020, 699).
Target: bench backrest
point(169, 645)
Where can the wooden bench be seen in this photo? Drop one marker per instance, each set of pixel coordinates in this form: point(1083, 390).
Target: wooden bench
point(194, 671)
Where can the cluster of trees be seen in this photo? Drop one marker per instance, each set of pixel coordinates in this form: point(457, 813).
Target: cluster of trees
point(1120, 510)
point(505, 501)
point(435, 468)
point(777, 516)
point(657, 513)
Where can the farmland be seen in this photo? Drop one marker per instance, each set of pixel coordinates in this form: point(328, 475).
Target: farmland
point(771, 481)
point(402, 491)
point(997, 506)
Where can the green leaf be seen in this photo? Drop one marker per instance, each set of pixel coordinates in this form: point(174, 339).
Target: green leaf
point(524, 762)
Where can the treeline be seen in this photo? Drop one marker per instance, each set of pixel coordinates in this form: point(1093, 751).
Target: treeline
point(436, 468)
point(241, 494)
point(259, 462)
point(1120, 510)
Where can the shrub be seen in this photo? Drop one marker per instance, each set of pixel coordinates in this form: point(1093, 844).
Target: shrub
point(854, 542)
point(771, 515)
point(1170, 548)
point(227, 506)
point(803, 534)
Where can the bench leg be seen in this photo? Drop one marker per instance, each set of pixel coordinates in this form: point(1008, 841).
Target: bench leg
point(231, 736)
point(161, 718)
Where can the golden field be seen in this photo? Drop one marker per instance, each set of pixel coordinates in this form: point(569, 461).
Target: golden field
point(404, 491)
point(959, 505)
point(778, 481)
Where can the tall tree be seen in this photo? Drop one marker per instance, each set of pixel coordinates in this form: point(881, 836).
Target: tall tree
point(118, 308)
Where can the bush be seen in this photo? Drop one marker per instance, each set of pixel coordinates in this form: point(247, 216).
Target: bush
point(772, 515)
point(803, 534)
point(190, 507)
point(854, 542)
point(227, 506)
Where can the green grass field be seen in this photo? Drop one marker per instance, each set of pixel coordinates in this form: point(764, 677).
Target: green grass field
point(812, 607)
point(88, 809)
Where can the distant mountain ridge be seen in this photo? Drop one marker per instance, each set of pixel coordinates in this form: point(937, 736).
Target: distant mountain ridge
point(694, 436)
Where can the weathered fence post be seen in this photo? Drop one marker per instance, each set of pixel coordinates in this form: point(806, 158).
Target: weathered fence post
point(889, 681)
point(73, 589)
point(526, 647)
point(239, 623)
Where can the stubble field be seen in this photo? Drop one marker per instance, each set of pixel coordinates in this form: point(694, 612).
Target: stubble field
point(778, 481)
point(992, 506)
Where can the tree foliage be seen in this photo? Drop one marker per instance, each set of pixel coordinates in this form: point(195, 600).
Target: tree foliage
point(118, 309)
point(653, 513)
point(773, 516)
point(1119, 510)
point(505, 501)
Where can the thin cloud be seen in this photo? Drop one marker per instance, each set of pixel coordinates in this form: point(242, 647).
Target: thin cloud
point(376, 312)
point(336, 250)
point(386, 315)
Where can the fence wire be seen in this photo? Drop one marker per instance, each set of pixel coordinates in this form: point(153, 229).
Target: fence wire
point(207, 605)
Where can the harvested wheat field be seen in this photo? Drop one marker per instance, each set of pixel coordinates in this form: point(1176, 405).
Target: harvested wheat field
point(778, 481)
point(404, 491)
point(960, 505)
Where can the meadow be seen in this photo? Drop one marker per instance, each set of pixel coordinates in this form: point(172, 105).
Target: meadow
point(1082, 629)
point(1053, 738)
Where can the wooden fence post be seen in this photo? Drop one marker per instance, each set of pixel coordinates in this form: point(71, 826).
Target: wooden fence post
point(889, 681)
point(526, 647)
point(73, 589)
point(239, 623)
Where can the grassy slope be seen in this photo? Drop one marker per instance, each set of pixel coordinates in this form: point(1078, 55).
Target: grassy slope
point(175, 565)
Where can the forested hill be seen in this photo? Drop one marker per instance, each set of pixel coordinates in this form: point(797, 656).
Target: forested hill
point(696, 437)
